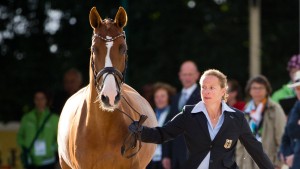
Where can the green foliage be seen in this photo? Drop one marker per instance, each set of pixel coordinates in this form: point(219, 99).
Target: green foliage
point(160, 35)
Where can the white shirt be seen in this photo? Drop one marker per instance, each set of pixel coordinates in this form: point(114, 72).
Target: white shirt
point(158, 151)
point(189, 90)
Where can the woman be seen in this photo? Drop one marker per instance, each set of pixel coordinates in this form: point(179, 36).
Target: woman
point(37, 135)
point(162, 99)
point(235, 98)
point(290, 145)
point(266, 120)
point(211, 129)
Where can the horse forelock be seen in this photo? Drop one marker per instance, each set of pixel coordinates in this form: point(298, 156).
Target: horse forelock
point(108, 21)
point(108, 28)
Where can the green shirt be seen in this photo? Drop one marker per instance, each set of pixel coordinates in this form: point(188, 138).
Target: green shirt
point(282, 93)
point(30, 123)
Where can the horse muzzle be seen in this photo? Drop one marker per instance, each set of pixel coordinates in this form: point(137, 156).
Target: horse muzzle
point(107, 103)
point(110, 93)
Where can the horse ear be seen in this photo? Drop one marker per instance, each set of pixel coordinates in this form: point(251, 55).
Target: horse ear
point(121, 17)
point(95, 18)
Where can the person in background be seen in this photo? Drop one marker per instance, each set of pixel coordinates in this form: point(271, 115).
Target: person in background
point(266, 120)
point(285, 95)
point(41, 148)
point(290, 145)
point(163, 93)
point(188, 95)
point(235, 97)
point(147, 92)
point(72, 82)
point(211, 129)
point(286, 92)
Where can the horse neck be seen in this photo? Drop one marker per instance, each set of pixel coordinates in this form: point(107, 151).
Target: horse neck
point(95, 115)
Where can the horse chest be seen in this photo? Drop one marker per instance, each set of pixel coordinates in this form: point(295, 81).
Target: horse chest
point(103, 157)
point(94, 150)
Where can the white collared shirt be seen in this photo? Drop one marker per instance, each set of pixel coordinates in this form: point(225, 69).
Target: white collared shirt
point(158, 151)
point(200, 108)
point(189, 90)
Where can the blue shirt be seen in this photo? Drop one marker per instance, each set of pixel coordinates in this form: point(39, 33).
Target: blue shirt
point(159, 111)
point(189, 91)
point(200, 107)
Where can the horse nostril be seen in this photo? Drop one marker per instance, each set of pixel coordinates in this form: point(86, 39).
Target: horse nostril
point(105, 99)
point(117, 98)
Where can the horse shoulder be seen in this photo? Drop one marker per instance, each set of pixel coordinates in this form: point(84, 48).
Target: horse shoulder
point(66, 122)
point(140, 104)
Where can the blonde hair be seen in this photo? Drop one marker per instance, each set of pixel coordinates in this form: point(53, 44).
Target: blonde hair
point(222, 79)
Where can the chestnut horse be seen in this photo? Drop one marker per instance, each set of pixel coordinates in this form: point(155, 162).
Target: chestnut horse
point(94, 122)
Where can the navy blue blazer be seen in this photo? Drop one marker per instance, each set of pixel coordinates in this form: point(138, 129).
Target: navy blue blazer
point(292, 126)
point(176, 149)
point(293, 132)
point(194, 128)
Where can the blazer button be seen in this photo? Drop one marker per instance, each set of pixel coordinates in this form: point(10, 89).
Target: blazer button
point(210, 146)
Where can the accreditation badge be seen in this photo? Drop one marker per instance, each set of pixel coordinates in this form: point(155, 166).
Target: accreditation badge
point(228, 143)
point(40, 148)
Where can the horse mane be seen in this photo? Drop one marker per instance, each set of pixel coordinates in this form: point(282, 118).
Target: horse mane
point(108, 22)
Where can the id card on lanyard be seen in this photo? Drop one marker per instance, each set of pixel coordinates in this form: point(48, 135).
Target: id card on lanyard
point(40, 147)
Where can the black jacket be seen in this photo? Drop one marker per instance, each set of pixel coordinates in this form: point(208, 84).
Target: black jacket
point(176, 149)
point(194, 128)
point(293, 132)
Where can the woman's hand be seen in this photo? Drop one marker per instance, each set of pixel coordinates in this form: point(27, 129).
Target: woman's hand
point(289, 160)
point(135, 128)
point(282, 158)
point(166, 163)
point(277, 167)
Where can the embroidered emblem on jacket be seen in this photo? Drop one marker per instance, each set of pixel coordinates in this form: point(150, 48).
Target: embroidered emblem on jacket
point(228, 143)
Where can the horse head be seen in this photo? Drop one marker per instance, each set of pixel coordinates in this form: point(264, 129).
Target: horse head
point(108, 57)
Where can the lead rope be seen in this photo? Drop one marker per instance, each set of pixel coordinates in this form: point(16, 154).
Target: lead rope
point(135, 136)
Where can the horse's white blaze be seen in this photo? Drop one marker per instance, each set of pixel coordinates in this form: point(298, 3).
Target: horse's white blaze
point(107, 57)
point(109, 86)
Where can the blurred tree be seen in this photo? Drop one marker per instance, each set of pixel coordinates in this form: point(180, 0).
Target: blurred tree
point(39, 40)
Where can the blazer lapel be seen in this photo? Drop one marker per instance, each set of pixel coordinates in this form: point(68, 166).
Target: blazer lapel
point(201, 119)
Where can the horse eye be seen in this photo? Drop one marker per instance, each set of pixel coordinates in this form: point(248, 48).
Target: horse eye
point(123, 49)
point(94, 50)
point(125, 52)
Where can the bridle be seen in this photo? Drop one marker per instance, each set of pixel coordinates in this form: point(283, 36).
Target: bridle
point(109, 70)
point(116, 73)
